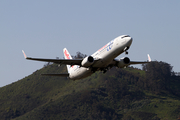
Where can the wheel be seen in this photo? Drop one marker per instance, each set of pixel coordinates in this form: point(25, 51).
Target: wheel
point(104, 71)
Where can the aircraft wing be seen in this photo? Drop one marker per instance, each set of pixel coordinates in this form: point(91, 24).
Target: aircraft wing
point(58, 61)
point(139, 62)
point(62, 75)
point(115, 62)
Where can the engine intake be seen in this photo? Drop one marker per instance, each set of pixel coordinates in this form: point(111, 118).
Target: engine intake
point(87, 61)
point(123, 62)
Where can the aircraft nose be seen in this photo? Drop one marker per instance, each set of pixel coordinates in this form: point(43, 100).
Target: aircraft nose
point(129, 40)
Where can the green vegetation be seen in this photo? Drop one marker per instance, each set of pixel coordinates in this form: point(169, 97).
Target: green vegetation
point(126, 94)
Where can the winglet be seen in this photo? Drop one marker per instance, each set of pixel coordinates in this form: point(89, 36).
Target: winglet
point(149, 59)
point(24, 54)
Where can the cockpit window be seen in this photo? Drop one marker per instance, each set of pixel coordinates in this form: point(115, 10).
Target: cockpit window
point(125, 36)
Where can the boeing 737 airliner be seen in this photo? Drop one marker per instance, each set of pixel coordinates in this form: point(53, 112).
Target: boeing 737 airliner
point(102, 60)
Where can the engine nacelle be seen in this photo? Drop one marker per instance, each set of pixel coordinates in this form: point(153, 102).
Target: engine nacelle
point(123, 62)
point(87, 61)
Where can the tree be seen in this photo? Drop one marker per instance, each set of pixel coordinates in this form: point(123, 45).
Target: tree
point(79, 55)
point(158, 75)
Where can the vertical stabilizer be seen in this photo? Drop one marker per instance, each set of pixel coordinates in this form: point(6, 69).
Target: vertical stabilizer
point(67, 56)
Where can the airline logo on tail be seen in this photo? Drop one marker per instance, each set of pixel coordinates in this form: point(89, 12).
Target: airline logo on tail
point(66, 54)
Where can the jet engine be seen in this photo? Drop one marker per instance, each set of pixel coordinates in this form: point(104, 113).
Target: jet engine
point(123, 62)
point(87, 61)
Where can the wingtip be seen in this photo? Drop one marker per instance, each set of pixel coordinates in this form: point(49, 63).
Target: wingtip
point(149, 58)
point(24, 54)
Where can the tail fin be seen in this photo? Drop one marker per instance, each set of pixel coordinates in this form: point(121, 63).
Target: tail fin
point(67, 56)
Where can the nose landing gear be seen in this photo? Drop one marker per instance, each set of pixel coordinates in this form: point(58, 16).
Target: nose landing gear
point(125, 50)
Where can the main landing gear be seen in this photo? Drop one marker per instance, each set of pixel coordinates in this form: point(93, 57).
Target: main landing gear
point(104, 70)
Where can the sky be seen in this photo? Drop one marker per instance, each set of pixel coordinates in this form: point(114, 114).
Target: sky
point(42, 28)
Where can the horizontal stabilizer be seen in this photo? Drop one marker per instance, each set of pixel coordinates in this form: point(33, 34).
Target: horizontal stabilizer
point(62, 75)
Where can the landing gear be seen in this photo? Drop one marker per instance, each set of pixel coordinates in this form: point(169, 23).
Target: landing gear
point(104, 70)
point(125, 50)
point(93, 70)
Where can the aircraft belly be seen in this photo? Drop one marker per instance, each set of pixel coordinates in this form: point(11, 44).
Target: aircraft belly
point(81, 73)
point(102, 63)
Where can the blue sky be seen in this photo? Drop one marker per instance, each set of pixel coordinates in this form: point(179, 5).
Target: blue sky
point(43, 28)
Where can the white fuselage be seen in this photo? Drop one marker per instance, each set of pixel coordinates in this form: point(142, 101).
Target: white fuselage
point(105, 56)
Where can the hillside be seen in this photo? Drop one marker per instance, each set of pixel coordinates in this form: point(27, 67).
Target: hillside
point(126, 94)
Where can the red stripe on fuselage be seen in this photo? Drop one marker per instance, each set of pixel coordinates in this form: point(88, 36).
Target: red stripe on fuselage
point(102, 48)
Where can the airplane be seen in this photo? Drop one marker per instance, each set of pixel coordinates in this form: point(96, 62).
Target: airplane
point(101, 60)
